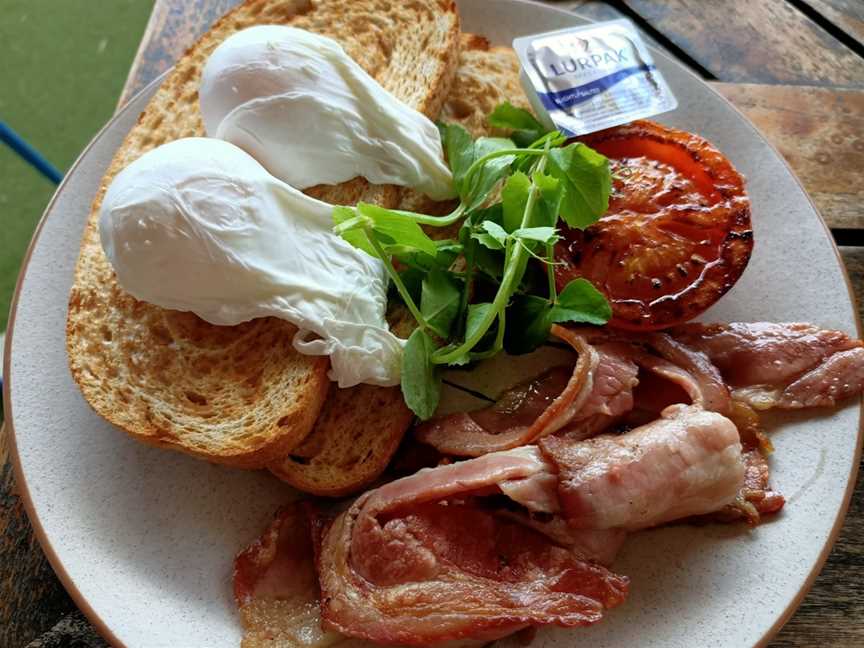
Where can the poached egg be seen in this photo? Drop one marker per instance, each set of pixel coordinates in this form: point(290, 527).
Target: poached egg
point(199, 225)
point(303, 108)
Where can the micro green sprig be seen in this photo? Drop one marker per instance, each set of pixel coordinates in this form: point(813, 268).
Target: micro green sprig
point(474, 296)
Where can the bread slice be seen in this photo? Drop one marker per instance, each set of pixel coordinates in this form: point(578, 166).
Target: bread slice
point(239, 395)
point(360, 428)
point(351, 444)
point(487, 76)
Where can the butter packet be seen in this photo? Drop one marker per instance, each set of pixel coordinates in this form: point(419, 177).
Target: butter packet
point(583, 79)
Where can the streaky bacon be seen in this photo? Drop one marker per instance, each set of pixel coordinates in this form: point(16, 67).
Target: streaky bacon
point(837, 378)
point(712, 392)
point(611, 394)
point(756, 497)
point(686, 463)
point(787, 366)
point(531, 410)
point(582, 402)
point(597, 545)
point(455, 571)
point(430, 559)
point(276, 587)
point(419, 561)
point(265, 570)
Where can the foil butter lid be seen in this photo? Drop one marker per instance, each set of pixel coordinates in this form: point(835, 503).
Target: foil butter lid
point(583, 79)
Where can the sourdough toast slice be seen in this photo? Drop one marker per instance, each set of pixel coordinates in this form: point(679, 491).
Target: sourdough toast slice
point(240, 395)
point(360, 428)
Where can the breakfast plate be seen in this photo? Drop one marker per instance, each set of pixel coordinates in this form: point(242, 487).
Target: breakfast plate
point(144, 539)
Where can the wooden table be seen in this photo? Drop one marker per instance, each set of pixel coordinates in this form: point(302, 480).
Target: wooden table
point(795, 67)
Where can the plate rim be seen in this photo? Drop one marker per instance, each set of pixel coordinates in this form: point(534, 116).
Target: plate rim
point(68, 582)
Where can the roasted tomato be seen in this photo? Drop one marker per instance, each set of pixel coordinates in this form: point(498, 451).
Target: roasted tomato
point(677, 234)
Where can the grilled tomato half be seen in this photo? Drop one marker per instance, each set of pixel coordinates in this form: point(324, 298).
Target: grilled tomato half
point(677, 235)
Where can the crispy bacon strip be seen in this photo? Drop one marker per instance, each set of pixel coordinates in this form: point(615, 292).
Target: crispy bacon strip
point(420, 562)
point(597, 545)
point(756, 497)
point(276, 587)
point(514, 420)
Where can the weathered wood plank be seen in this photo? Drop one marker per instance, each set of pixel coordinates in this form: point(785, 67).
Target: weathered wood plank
point(848, 15)
point(592, 9)
point(598, 10)
point(173, 26)
point(72, 631)
point(754, 42)
point(31, 597)
point(820, 131)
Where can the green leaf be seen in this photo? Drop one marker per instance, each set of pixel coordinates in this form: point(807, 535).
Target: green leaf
point(585, 181)
point(514, 197)
point(534, 280)
point(412, 278)
point(525, 126)
point(459, 150)
point(357, 235)
point(398, 234)
point(493, 237)
point(460, 361)
point(525, 138)
point(476, 314)
point(527, 162)
point(549, 204)
point(489, 262)
point(487, 240)
point(486, 260)
point(421, 261)
point(439, 301)
point(528, 323)
point(448, 251)
point(539, 234)
point(487, 346)
point(421, 383)
point(486, 145)
point(555, 139)
point(580, 301)
point(491, 173)
point(506, 115)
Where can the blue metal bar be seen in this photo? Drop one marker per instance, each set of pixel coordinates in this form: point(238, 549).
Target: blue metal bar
point(30, 154)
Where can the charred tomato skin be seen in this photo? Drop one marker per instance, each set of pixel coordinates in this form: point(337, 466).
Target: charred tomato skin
point(677, 235)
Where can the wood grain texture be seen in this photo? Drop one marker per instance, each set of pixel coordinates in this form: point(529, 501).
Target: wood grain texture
point(72, 631)
point(820, 132)
point(173, 27)
point(31, 597)
point(591, 9)
point(754, 42)
point(847, 15)
point(596, 10)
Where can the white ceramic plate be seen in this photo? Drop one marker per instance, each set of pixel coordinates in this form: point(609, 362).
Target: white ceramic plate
point(143, 539)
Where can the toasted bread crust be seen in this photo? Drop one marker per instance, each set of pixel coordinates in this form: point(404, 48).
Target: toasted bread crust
point(351, 444)
point(359, 429)
point(240, 396)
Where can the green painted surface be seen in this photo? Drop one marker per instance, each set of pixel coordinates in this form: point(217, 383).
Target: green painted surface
point(62, 66)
